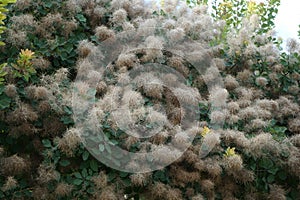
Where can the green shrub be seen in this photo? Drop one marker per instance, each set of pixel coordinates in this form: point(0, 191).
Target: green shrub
point(42, 156)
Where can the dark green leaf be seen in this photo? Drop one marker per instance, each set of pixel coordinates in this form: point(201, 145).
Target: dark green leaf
point(273, 170)
point(4, 101)
point(282, 175)
point(90, 190)
point(77, 181)
point(2, 88)
point(64, 163)
point(77, 175)
point(46, 143)
point(81, 18)
point(85, 155)
point(67, 120)
point(84, 173)
point(266, 163)
point(48, 4)
point(94, 165)
point(271, 178)
point(111, 176)
point(123, 174)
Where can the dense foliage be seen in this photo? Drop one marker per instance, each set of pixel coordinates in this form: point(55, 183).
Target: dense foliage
point(48, 43)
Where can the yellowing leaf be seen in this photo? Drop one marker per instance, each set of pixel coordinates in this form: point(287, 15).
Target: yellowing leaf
point(205, 131)
point(230, 152)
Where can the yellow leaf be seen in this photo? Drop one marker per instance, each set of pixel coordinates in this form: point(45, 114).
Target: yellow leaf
point(230, 152)
point(205, 131)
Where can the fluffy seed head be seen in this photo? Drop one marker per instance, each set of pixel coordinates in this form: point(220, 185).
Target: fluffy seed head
point(233, 107)
point(103, 33)
point(119, 16)
point(24, 113)
point(261, 81)
point(11, 90)
point(40, 63)
point(100, 180)
point(219, 63)
point(17, 38)
point(217, 117)
point(230, 82)
point(218, 97)
point(9, 184)
point(70, 141)
point(276, 193)
point(198, 197)
point(176, 35)
point(294, 89)
point(258, 123)
point(63, 189)
point(159, 190)
point(263, 143)
point(41, 93)
point(139, 180)
point(233, 163)
point(23, 4)
point(85, 48)
point(174, 194)
point(247, 113)
point(244, 76)
point(233, 119)
point(39, 193)
point(126, 60)
point(69, 27)
point(47, 174)
point(294, 125)
point(108, 194)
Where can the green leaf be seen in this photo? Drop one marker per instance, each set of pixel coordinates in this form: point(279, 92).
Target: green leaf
point(85, 155)
point(48, 4)
point(46, 143)
point(123, 174)
point(4, 101)
point(94, 165)
point(64, 163)
point(271, 178)
point(111, 176)
point(63, 56)
point(90, 190)
point(84, 173)
point(2, 88)
point(77, 181)
point(95, 151)
point(266, 163)
point(77, 175)
point(127, 182)
point(56, 156)
point(68, 110)
point(273, 170)
point(67, 120)
point(282, 175)
point(160, 175)
point(81, 18)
